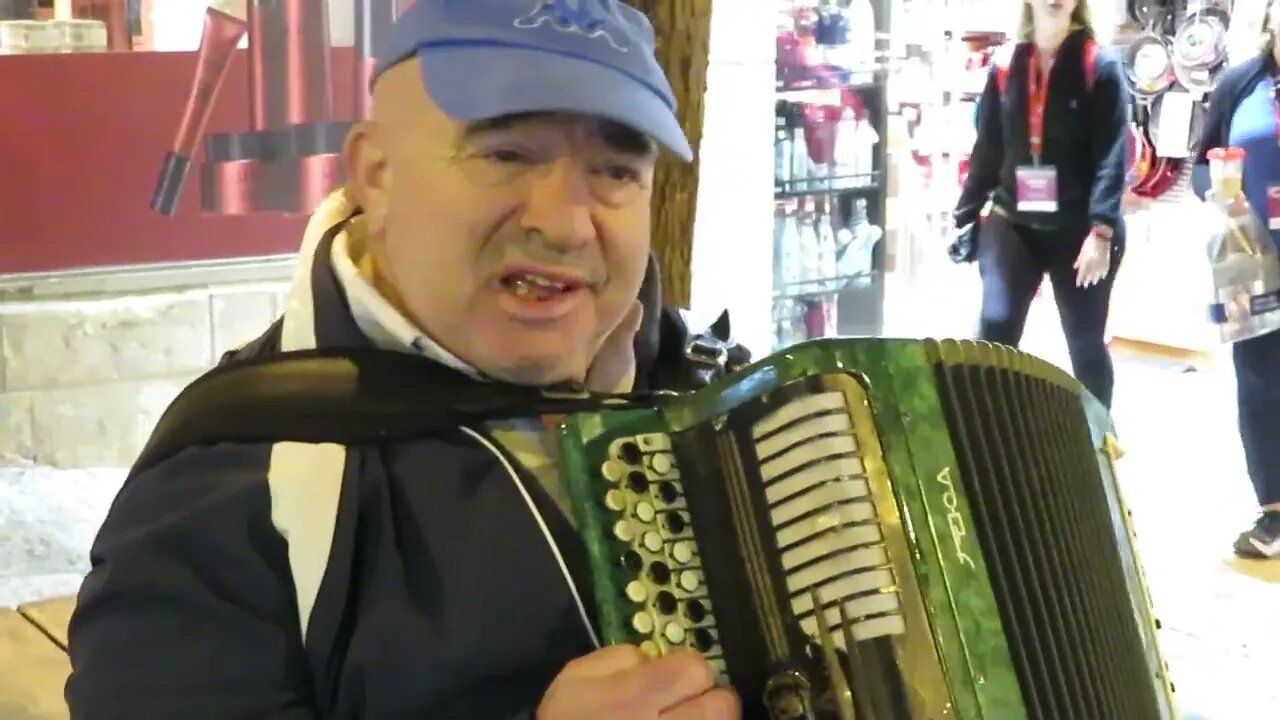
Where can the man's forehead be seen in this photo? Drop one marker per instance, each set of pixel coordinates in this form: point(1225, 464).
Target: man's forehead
point(616, 134)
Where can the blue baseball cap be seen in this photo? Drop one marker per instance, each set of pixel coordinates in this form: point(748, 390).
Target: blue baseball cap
point(482, 59)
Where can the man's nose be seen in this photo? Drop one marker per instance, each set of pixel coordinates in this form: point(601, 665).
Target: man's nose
point(559, 206)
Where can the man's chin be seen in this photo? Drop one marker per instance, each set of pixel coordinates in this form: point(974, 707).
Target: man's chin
point(539, 372)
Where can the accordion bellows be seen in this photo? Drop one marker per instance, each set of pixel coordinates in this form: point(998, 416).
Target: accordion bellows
point(868, 529)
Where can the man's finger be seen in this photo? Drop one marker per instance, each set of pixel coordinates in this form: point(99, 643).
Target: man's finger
point(669, 680)
point(719, 704)
point(607, 661)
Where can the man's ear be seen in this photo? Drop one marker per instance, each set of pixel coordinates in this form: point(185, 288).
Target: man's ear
point(368, 174)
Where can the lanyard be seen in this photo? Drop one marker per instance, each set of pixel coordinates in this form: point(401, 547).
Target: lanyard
point(1037, 98)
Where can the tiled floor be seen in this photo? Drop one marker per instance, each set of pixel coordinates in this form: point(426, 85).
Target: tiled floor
point(1184, 478)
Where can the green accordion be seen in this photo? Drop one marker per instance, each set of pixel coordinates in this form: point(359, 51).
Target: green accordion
point(876, 529)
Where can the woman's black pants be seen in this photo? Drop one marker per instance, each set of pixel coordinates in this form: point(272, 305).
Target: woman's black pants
point(1258, 397)
point(1013, 259)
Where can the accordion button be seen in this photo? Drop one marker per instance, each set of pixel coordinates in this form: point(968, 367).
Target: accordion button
point(650, 648)
point(661, 463)
point(636, 591)
point(623, 531)
point(630, 453)
point(676, 523)
point(612, 470)
point(695, 611)
point(637, 482)
point(703, 640)
point(660, 573)
point(669, 493)
point(690, 581)
point(654, 441)
point(632, 561)
point(652, 541)
point(664, 602)
point(674, 632)
point(643, 623)
point(645, 512)
point(615, 500)
point(682, 552)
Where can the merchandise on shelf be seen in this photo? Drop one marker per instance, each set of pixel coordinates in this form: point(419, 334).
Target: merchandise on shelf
point(826, 141)
point(26, 37)
point(825, 46)
point(1172, 66)
point(29, 27)
point(829, 168)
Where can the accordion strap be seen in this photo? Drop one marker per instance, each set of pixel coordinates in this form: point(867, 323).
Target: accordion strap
point(349, 396)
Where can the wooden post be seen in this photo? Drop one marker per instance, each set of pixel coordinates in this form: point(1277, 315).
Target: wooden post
point(683, 29)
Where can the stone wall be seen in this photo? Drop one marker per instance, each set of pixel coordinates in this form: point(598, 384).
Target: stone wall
point(84, 374)
point(83, 380)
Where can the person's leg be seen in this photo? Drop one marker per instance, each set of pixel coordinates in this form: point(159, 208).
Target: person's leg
point(1010, 276)
point(1257, 364)
point(1084, 311)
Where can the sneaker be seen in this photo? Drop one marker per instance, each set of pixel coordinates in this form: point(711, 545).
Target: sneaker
point(1263, 540)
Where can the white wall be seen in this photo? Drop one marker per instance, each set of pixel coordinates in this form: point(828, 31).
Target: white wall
point(177, 24)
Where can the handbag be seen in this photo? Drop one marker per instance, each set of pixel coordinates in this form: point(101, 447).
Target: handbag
point(964, 248)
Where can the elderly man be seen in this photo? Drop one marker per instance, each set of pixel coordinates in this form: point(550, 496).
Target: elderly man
point(496, 221)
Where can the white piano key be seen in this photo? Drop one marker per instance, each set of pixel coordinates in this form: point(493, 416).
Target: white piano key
point(796, 409)
point(846, 587)
point(800, 432)
point(879, 627)
point(874, 604)
point(810, 452)
point(843, 540)
point(824, 570)
point(829, 472)
point(829, 518)
point(821, 495)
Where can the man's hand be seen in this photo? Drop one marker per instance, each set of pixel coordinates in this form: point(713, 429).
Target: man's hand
point(1094, 261)
point(622, 683)
point(614, 367)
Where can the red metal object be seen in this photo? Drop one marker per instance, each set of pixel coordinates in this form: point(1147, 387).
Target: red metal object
point(83, 136)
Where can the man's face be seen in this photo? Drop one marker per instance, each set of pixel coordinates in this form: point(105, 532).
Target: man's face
point(518, 244)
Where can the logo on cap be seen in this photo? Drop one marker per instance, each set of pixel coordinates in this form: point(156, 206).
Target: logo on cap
point(570, 16)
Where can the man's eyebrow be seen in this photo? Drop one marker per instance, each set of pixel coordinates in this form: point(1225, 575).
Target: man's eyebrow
point(615, 135)
point(502, 122)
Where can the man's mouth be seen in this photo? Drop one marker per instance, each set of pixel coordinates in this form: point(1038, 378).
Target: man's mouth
point(538, 287)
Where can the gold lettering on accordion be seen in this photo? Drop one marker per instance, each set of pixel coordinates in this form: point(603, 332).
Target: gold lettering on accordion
point(955, 520)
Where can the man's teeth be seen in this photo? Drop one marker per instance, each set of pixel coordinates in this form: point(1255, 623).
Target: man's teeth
point(529, 285)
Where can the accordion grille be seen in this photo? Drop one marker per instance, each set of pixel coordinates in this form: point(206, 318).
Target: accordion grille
point(1044, 523)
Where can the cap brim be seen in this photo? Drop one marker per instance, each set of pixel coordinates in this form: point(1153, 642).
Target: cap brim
point(522, 80)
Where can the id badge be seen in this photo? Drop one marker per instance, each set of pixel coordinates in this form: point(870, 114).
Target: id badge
point(1037, 188)
point(1273, 207)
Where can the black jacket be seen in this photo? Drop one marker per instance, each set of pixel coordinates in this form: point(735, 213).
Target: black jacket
point(432, 578)
point(1228, 92)
point(1086, 139)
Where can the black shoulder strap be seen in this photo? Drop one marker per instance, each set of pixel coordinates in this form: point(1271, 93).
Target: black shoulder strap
point(349, 396)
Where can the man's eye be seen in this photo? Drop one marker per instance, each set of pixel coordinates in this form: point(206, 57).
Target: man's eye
point(509, 157)
point(620, 173)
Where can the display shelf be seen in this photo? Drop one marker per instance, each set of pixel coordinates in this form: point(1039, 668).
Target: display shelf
point(859, 185)
point(867, 78)
point(830, 168)
point(821, 288)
